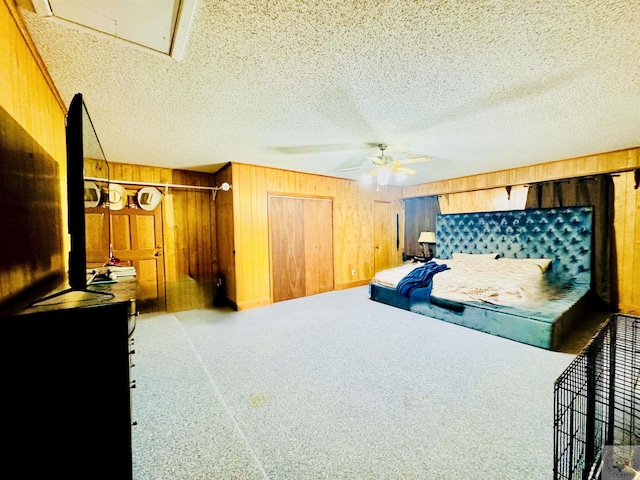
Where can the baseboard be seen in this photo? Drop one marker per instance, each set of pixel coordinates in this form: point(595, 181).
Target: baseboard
point(262, 302)
point(357, 283)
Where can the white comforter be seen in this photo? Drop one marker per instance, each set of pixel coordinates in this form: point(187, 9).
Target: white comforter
point(500, 282)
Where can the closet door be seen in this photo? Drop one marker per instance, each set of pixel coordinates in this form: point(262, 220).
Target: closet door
point(318, 240)
point(286, 217)
point(301, 246)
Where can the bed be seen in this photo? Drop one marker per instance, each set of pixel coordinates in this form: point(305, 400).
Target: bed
point(524, 275)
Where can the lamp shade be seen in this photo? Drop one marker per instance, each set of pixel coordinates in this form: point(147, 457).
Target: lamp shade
point(427, 237)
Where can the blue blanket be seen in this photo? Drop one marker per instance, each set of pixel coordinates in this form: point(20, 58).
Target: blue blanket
point(418, 283)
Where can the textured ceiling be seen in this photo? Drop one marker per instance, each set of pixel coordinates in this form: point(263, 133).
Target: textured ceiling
point(477, 85)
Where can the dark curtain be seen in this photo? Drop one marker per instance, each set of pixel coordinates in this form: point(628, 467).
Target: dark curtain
point(419, 216)
point(587, 191)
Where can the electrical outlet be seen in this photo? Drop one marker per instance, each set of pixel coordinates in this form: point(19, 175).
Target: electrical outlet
point(353, 272)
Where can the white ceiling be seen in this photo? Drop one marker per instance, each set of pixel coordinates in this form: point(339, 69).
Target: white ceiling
point(314, 85)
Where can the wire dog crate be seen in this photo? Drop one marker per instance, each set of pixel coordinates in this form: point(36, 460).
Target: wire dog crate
point(597, 400)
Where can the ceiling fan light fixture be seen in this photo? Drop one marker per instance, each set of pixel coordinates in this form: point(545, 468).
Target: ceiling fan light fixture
point(383, 176)
point(384, 167)
point(366, 178)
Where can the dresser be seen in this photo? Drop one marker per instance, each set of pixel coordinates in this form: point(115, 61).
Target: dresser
point(66, 375)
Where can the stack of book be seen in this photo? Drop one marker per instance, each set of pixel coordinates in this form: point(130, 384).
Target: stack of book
point(123, 271)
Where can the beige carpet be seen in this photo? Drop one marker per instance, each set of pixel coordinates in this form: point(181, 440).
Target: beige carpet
point(336, 386)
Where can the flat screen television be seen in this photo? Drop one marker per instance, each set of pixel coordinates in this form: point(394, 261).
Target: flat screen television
point(82, 143)
point(75, 194)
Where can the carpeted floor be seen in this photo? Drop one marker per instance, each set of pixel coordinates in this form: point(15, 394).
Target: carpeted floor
point(336, 386)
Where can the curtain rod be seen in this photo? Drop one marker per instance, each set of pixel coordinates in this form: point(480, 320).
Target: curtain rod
point(166, 186)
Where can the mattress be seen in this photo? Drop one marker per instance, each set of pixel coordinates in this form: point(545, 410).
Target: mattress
point(504, 282)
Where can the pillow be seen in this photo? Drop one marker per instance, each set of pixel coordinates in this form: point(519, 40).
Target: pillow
point(542, 263)
point(474, 257)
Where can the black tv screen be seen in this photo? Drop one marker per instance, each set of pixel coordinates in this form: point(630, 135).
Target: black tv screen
point(75, 195)
point(82, 143)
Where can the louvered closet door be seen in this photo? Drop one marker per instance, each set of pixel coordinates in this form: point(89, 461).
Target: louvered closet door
point(301, 235)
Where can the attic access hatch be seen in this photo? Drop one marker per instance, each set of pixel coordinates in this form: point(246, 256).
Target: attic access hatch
point(160, 25)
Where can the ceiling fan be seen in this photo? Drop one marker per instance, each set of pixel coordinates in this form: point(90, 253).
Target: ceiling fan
point(383, 166)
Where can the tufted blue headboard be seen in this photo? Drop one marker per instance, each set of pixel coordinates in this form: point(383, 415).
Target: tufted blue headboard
point(561, 234)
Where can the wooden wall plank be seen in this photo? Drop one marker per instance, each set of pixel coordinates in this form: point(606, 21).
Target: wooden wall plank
point(225, 240)
point(627, 231)
point(32, 135)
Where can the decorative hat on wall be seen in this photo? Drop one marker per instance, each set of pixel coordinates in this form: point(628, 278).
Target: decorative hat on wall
point(149, 198)
point(92, 195)
point(117, 196)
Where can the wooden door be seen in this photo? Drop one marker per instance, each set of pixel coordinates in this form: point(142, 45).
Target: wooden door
point(382, 235)
point(286, 217)
point(136, 237)
point(97, 235)
point(318, 241)
point(301, 237)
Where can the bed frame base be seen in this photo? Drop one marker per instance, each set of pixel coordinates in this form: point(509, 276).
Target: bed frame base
point(543, 334)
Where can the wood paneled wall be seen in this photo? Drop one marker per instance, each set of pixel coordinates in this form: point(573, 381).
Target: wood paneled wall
point(27, 92)
point(627, 231)
point(225, 243)
point(487, 192)
point(193, 234)
point(601, 163)
point(189, 230)
point(33, 157)
point(353, 223)
point(494, 199)
point(422, 212)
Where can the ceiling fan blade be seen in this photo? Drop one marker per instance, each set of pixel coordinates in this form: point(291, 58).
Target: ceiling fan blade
point(407, 170)
point(414, 160)
point(354, 168)
point(307, 149)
